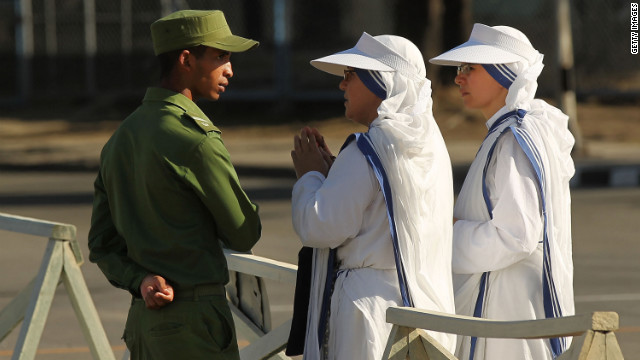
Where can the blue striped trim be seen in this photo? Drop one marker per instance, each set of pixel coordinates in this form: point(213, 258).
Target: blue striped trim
point(328, 283)
point(373, 81)
point(326, 296)
point(366, 147)
point(501, 120)
point(477, 311)
point(501, 73)
point(485, 194)
point(550, 298)
point(496, 124)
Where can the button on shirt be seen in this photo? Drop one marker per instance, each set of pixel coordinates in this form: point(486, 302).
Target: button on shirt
point(165, 196)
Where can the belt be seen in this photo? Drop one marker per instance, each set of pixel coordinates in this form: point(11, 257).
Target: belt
point(195, 292)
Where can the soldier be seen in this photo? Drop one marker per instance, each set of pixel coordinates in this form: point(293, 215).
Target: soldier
point(167, 194)
point(512, 233)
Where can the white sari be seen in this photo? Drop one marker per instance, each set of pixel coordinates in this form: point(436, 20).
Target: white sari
point(406, 140)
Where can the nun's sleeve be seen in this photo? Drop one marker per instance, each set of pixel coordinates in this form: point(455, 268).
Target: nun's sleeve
point(326, 212)
point(517, 224)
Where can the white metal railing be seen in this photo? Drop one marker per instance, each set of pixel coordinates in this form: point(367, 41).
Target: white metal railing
point(61, 262)
point(263, 343)
point(253, 320)
point(408, 340)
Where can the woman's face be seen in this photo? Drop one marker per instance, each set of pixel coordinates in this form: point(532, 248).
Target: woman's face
point(361, 105)
point(479, 90)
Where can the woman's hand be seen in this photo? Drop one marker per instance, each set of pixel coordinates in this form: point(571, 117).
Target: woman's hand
point(310, 153)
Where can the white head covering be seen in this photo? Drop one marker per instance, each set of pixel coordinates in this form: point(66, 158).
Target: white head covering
point(506, 46)
point(548, 127)
point(408, 142)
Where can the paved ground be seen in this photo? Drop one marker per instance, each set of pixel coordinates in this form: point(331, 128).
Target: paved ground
point(610, 159)
point(606, 252)
point(606, 249)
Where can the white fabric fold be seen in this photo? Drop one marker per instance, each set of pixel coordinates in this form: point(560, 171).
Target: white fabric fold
point(410, 147)
point(412, 151)
point(515, 285)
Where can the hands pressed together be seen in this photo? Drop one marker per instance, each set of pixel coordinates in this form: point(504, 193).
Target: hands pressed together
point(311, 153)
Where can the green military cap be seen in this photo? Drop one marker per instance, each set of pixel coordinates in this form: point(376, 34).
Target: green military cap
point(187, 28)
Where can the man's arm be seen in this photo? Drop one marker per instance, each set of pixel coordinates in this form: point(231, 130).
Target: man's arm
point(215, 181)
point(108, 249)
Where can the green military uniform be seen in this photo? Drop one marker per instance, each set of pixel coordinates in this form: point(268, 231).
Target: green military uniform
point(166, 194)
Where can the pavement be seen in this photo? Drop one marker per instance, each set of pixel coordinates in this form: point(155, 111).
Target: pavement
point(59, 145)
point(606, 271)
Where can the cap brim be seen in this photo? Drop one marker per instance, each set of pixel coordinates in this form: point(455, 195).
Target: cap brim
point(232, 43)
point(336, 64)
point(473, 52)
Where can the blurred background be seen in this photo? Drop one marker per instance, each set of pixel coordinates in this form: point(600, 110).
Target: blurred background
point(84, 50)
point(71, 70)
point(88, 59)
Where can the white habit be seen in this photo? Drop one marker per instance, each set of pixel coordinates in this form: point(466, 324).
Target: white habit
point(508, 243)
point(348, 212)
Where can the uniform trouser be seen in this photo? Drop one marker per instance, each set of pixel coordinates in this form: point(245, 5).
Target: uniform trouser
point(199, 327)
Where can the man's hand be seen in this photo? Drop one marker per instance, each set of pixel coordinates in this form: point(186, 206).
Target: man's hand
point(155, 291)
point(310, 153)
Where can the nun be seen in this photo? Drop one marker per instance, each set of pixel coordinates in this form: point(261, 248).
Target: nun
point(377, 219)
point(512, 233)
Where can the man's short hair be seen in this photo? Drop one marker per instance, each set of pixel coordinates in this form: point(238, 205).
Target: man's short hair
point(169, 59)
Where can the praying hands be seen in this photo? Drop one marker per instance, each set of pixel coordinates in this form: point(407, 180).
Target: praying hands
point(311, 153)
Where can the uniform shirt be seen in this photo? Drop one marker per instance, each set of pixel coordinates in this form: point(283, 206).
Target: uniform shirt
point(165, 195)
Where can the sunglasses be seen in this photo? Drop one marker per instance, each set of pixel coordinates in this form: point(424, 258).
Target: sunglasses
point(347, 74)
point(465, 69)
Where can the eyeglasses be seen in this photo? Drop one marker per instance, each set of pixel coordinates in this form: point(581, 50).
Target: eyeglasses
point(347, 74)
point(465, 69)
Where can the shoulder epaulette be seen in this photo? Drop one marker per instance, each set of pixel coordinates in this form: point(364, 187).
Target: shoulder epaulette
point(205, 124)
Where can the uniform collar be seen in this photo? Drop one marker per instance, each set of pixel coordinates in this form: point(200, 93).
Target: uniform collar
point(172, 97)
point(158, 94)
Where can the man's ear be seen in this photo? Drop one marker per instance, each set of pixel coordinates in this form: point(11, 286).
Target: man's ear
point(185, 60)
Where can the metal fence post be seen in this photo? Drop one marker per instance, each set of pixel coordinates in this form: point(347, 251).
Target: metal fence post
point(567, 74)
point(35, 318)
point(61, 263)
point(24, 46)
point(51, 39)
point(282, 63)
point(90, 45)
